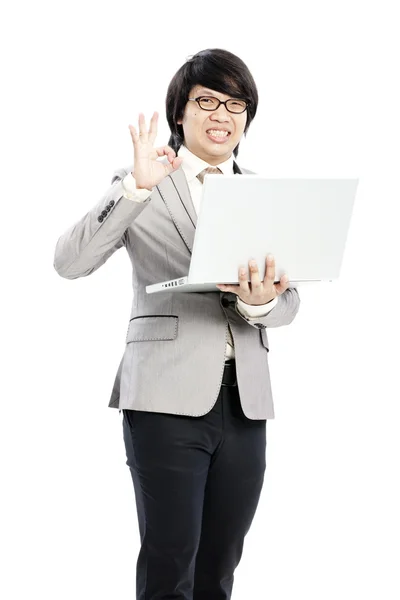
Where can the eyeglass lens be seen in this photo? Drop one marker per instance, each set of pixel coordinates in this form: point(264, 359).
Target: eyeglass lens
point(233, 105)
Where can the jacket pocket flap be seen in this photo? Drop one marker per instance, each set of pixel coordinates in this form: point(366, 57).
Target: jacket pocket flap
point(148, 329)
point(264, 338)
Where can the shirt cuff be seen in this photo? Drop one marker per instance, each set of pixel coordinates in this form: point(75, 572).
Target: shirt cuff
point(131, 192)
point(255, 312)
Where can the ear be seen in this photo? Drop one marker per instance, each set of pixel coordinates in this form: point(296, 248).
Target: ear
point(181, 119)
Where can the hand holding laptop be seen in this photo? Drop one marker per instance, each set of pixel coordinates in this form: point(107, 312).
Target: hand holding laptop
point(259, 292)
point(147, 170)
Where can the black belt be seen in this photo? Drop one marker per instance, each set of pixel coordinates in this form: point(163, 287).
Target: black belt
point(229, 376)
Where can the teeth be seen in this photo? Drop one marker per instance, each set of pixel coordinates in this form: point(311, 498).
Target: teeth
point(216, 133)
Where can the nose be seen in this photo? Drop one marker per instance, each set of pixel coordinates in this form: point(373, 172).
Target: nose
point(220, 114)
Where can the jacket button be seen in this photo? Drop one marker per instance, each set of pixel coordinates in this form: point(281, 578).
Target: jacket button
point(100, 219)
point(112, 203)
point(104, 213)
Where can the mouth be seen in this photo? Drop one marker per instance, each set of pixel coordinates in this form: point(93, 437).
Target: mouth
point(218, 135)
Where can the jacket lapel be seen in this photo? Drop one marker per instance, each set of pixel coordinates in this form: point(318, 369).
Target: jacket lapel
point(174, 191)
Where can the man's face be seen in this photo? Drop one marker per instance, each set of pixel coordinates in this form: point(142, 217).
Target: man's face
point(211, 135)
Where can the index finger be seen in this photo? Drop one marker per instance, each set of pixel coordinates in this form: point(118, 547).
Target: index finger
point(168, 151)
point(153, 127)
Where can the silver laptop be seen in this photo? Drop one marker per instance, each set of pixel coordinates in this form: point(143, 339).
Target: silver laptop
point(303, 222)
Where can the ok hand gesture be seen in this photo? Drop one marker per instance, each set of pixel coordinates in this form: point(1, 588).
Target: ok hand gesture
point(147, 170)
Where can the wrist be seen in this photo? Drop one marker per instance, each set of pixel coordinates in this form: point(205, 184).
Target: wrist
point(261, 304)
point(139, 186)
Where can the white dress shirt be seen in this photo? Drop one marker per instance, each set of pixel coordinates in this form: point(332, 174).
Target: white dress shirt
point(192, 165)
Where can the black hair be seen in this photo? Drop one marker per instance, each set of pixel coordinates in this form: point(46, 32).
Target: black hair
point(218, 70)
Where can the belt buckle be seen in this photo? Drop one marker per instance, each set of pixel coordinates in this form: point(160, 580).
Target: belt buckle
point(229, 376)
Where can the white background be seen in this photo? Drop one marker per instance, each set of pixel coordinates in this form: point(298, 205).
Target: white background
point(74, 76)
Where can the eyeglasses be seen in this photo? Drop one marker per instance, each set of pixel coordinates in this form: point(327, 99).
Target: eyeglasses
point(232, 105)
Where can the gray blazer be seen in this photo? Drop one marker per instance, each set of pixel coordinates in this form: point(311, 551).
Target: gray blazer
point(175, 345)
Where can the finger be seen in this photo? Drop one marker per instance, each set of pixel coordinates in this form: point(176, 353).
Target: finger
point(254, 276)
point(153, 127)
point(171, 156)
point(166, 151)
point(269, 270)
point(134, 134)
point(176, 163)
point(142, 128)
point(161, 151)
point(243, 279)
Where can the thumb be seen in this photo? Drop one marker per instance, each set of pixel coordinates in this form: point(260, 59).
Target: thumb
point(282, 286)
point(174, 165)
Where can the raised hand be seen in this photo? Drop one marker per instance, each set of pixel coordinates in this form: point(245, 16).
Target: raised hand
point(147, 170)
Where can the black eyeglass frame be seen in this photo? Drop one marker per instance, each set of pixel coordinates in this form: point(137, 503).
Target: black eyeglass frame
point(220, 102)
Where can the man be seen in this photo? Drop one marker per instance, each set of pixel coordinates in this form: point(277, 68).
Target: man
point(193, 382)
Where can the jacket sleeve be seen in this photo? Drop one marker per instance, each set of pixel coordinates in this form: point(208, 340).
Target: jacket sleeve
point(87, 245)
point(282, 314)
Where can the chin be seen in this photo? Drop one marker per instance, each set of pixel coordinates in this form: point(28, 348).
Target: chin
point(219, 149)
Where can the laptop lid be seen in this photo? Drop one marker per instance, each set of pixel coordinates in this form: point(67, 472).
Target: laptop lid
point(303, 222)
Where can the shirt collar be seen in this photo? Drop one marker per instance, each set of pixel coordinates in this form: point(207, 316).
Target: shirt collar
point(192, 165)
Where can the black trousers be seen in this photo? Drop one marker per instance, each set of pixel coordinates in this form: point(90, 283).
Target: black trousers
point(197, 483)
